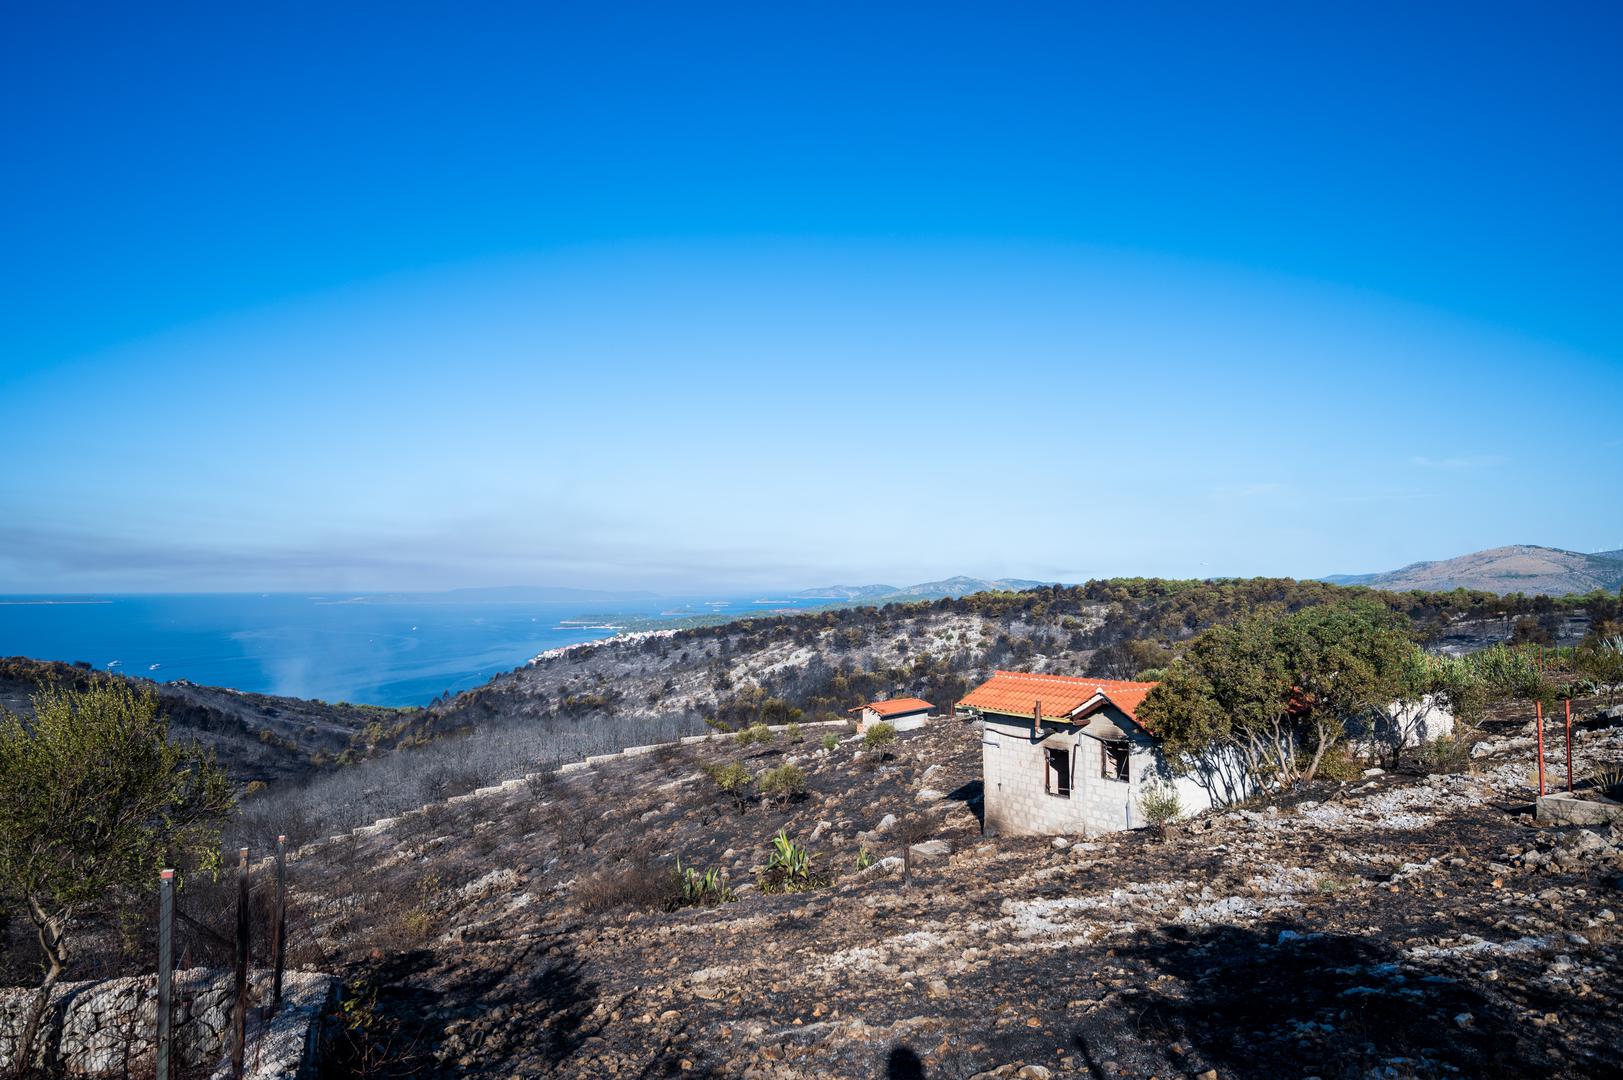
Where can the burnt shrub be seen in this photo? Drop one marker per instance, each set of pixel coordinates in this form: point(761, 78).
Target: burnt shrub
point(634, 885)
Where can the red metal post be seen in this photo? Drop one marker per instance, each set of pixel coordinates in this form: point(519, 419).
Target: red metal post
point(1539, 709)
point(1569, 744)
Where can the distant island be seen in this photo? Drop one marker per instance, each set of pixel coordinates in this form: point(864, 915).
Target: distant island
point(928, 590)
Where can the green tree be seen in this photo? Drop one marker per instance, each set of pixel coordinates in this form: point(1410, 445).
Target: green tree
point(1343, 660)
point(97, 800)
point(1273, 685)
point(1228, 692)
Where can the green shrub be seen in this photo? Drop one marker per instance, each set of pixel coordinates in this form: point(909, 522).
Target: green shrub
point(1444, 754)
point(1159, 804)
point(755, 733)
point(794, 734)
point(829, 742)
point(865, 858)
point(784, 782)
point(1600, 661)
point(416, 925)
point(1338, 764)
point(732, 779)
point(879, 736)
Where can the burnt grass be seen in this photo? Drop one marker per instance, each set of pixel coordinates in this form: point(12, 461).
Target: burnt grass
point(1398, 925)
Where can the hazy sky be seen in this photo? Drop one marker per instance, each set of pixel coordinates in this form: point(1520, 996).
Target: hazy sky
point(690, 296)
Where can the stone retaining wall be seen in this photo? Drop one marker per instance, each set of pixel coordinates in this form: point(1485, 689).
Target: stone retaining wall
point(568, 768)
point(109, 1027)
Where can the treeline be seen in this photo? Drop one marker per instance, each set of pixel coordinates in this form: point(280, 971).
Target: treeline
point(1139, 608)
point(1142, 622)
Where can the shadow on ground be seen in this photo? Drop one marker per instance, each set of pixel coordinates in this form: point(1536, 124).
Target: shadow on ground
point(1270, 1002)
point(1267, 1001)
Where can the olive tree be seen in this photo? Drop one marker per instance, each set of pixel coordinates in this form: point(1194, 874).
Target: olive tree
point(1344, 660)
point(1274, 687)
point(1227, 693)
point(96, 800)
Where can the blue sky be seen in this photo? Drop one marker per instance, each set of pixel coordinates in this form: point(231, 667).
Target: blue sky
point(682, 296)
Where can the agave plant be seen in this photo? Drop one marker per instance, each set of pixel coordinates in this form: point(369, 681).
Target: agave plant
point(792, 858)
point(699, 889)
point(1609, 781)
point(789, 867)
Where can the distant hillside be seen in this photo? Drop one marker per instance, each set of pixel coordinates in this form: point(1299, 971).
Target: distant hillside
point(1522, 568)
point(928, 590)
point(255, 736)
point(849, 592)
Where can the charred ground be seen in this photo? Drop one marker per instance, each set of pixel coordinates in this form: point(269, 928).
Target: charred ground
point(1403, 925)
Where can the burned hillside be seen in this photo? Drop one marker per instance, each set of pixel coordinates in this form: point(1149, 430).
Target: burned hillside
point(1410, 924)
point(662, 685)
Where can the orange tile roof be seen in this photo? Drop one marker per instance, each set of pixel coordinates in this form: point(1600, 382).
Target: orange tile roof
point(1019, 693)
point(895, 706)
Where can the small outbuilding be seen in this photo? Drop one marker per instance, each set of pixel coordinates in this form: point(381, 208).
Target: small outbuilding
point(904, 714)
point(1065, 755)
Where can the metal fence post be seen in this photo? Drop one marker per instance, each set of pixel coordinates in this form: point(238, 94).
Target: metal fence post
point(239, 1011)
point(1538, 709)
point(1569, 745)
point(166, 964)
point(279, 929)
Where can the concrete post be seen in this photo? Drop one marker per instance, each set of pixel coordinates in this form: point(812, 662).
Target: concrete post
point(166, 966)
point(239, 1009)
point(279, 929)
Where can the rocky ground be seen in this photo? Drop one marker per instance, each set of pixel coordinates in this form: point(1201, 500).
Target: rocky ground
point(1399, 925)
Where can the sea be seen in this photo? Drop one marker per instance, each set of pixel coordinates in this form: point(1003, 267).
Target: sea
point(394, 650)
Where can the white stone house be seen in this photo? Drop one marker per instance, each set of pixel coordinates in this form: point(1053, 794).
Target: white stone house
point(1063, 755)
point(904, 714)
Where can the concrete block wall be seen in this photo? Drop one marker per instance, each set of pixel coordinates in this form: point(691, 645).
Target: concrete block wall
point(1014, 774)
